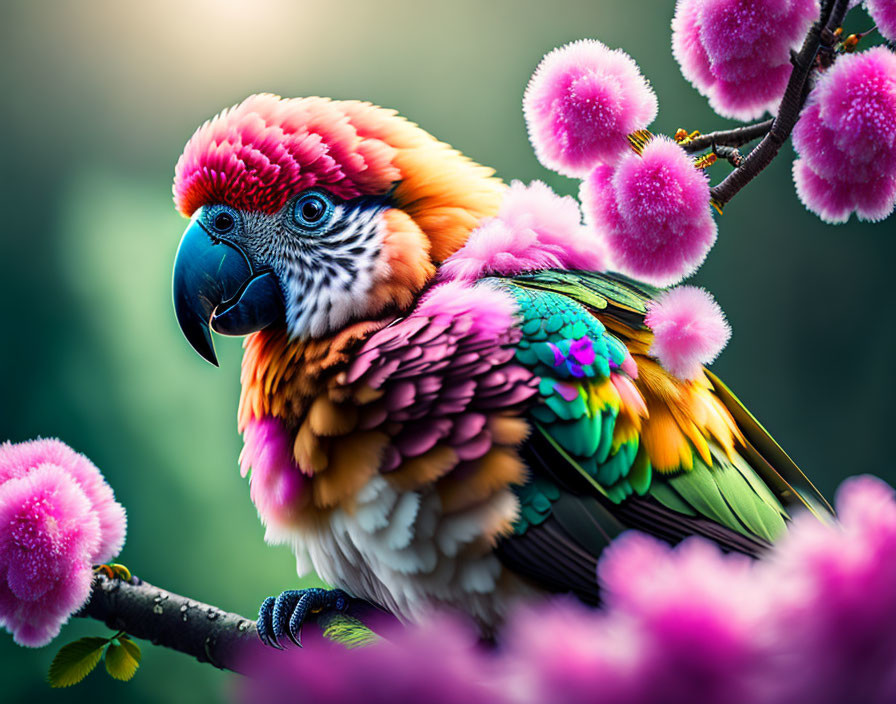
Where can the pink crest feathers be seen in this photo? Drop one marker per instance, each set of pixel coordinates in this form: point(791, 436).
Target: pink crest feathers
point(255, 155)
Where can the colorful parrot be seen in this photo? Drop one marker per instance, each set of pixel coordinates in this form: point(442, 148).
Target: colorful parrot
point(435, 415)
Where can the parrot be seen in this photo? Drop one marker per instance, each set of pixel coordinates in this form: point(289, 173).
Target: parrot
point(430, 420)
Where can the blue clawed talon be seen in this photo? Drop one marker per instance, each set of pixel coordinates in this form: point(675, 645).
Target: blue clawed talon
point(286, 614)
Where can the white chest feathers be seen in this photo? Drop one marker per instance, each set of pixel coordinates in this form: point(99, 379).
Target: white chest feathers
point(401, 551)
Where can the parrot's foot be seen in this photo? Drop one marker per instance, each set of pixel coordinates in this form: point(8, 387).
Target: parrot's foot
point(286, 614)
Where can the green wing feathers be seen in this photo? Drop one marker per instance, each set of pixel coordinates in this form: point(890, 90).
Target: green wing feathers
point(623, 426)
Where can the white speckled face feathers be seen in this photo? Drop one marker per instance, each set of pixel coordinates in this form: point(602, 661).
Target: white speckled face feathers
point(328, 278)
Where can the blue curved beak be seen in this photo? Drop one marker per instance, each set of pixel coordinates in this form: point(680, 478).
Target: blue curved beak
point(216, 287)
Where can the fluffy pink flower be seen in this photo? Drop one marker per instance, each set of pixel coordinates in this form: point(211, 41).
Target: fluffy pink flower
point(581, 103)
point(48, 536)
point(564, 653)
point(57, 518)
point(846, 140)
point(534, 229)
point(883, 12)
point(19, 459)
point(652, 212)
point(835, 588)
point(439, 663)
point(737, 52)
point(689, 330)
point(694, 610)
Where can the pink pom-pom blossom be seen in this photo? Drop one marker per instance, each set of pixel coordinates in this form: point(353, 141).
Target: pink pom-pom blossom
point(883, 12)
point(581, 103)
point(652, 212)
point(814, 620)
point(437, 663)
point(737, 52)
point(846, 139)
point(57, 518)
point(534, 229)
point(689, 330)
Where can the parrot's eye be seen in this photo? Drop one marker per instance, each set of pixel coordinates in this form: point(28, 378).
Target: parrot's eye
point(220, 220)
point(312, 210)
point(223, 222)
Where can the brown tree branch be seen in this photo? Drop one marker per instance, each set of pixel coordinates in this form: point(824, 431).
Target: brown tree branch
point(206, 632)
point(821, 33)
point(170, 620)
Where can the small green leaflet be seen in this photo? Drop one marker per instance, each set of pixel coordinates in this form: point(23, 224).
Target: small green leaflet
point(75, 661)
point(349, 632)
point(123, 660)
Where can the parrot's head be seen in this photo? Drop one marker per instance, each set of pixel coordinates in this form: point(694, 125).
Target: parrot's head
point(310, 213)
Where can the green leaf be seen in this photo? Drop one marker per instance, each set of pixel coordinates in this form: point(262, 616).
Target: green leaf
point(123, 660)
point(349, 631)
point(75, 661)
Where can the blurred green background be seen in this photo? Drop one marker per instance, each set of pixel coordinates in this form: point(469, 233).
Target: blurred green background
point(98, 100)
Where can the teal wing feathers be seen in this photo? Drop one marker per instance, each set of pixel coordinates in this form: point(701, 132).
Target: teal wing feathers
point(620, 443)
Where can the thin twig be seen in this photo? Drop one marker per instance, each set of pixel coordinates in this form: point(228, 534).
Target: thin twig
point(791, 105)
point(731, 154)
point(736, 137)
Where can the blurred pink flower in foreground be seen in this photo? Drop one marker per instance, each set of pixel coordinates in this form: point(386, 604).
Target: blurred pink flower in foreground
point(814, 621)
point(581, 102)
point(737, 52)
point(652, 212)
point(57, 518)
point(689, 330)
point(846, 139)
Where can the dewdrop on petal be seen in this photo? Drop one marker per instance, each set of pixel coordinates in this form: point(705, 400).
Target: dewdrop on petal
point(581, 103)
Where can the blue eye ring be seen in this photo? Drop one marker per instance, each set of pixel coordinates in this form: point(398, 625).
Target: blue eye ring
point(221, 220)
point(312, 211)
